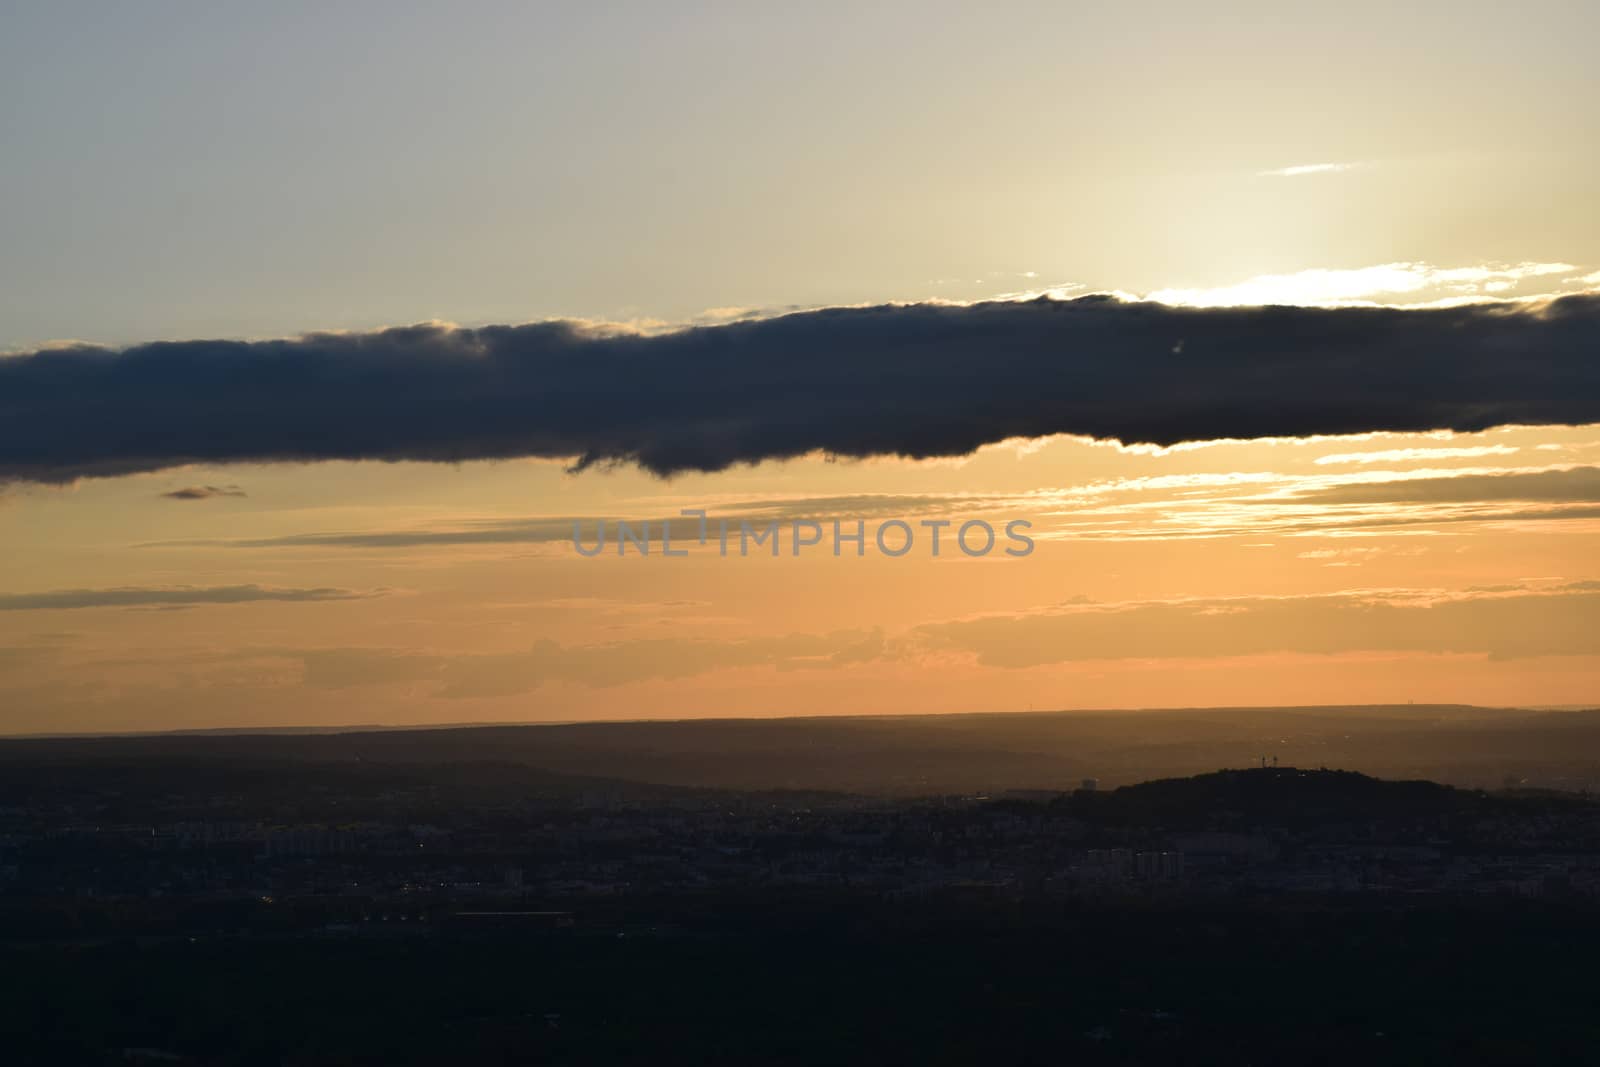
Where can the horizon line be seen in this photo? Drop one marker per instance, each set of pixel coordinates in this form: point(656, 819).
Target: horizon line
point(353, 728)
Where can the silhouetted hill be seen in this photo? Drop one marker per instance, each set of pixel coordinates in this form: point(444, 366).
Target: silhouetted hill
point(1283, 796)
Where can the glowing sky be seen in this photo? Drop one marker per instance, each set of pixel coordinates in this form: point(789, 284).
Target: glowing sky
point(195, 172)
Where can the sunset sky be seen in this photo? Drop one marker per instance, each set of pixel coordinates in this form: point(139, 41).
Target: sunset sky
point(911, 262)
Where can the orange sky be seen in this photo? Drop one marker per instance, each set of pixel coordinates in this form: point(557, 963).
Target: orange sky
point(1233, 573)
point(639, 169)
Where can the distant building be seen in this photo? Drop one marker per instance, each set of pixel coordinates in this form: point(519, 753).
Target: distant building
point(1159, 865)
point(310, 841)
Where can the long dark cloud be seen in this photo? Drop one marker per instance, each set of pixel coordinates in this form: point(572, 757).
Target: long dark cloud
point(181, 596)
point(912, 380)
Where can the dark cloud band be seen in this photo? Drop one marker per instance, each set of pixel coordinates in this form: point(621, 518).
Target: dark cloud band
point(911, 380)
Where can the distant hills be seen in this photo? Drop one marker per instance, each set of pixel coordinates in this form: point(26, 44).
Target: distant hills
point(908, 755)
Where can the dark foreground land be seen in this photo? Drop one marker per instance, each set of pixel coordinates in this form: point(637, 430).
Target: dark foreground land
point(832, 978)
point(473, 896)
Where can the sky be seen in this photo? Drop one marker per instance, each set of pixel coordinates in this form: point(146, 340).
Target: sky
point(323, 324)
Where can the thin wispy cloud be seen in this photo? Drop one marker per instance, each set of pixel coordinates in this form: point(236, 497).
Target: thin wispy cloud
point(172, 597)
point(1411, 455)
point(1181, 506)
point(684, 532)
point(488, 675)
point(1506, 622)
point(1387, 283)
point(1309, 168)
point(1558, 485)
point(204, 492)
point(1511, 622)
